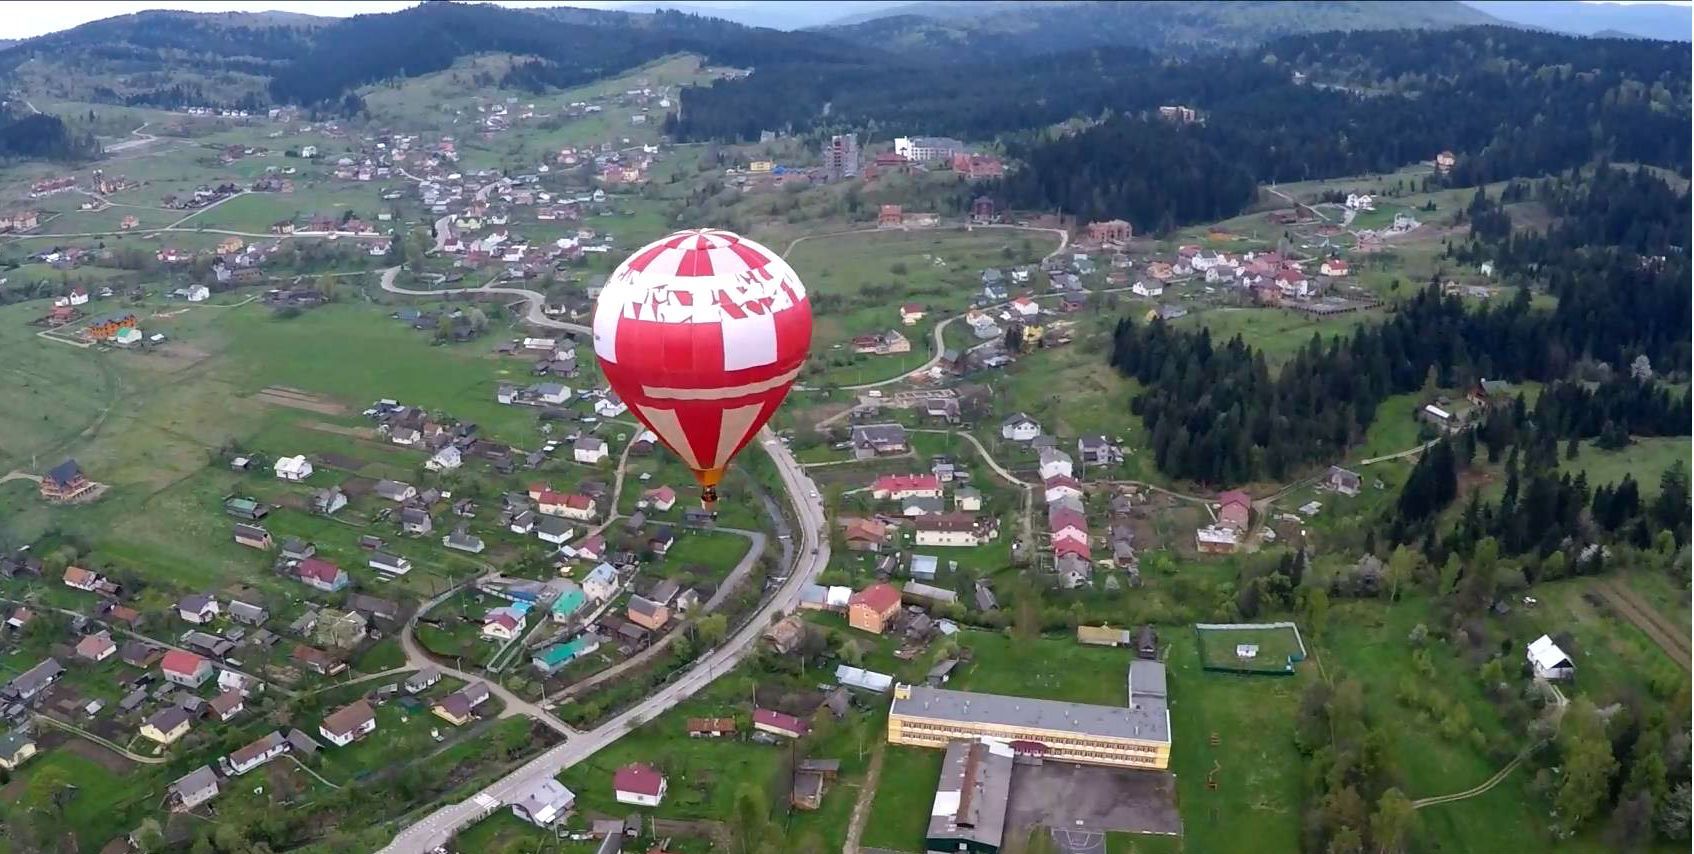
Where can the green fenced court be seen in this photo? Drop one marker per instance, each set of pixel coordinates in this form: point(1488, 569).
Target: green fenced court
point(1271, 648)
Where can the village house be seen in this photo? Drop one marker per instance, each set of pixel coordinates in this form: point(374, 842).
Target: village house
point(64, 482)
point(1020, 428)
point(661, 499)
point(503, 624)
point(81, 579)
point(1548, 661)
point(648, 614)
point(460, 539)
point(1343, 481)
point(639, 784)
point(456, 708)
point(192, 789)
point(263, 750)
point(252, 536)
point(952, 529)
point(395, 491)
point(16, 748)
point(96, 647)
point(185, 668)
point(543, 802)
point(777, 723)
point(197, 608)
point(349, 723)
point(33, 681)
point(911, 313)
point(873, 608)
point(316, 660)
point(898, 487)
point(166, 725)
point(865, 535)
point(226, 705)
point(326, 502)
point(295, 468)
point(710, 727)
point(320, 574)
point(590, 450)
point(1216, 540)
point(1234, 510)
point(247, 613)
point(871, 440)
point(601, 584)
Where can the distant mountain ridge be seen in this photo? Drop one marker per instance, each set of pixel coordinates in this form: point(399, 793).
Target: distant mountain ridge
point(963, 31)
point(1659, 21)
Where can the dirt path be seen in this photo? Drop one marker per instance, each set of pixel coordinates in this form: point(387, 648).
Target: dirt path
point(109, 745)
point(1472, 792)
point(1641, 614)
point(862, 806)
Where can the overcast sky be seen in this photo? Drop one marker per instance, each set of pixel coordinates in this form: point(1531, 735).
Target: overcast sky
point(26, 19)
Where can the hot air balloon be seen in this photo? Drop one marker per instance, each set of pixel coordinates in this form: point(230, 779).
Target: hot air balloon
point(702, 334)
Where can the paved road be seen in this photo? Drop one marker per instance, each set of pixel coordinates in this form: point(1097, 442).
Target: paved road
point(438, 827)
point(536, 315)
point(416, 658)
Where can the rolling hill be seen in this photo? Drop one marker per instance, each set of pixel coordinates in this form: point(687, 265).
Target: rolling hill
point(967, 31)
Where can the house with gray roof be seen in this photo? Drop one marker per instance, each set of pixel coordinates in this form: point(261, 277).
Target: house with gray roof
point(192, 789)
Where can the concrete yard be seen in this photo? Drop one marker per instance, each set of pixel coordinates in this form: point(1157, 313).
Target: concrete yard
point(1065, 796)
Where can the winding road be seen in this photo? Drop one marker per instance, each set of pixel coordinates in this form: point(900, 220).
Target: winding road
point(418, 659)
point(940, 345)
point(438, 827)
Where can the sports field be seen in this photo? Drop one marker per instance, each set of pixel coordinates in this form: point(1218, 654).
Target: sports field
point(1267, 647)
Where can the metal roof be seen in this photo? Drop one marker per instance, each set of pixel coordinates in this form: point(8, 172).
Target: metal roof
point(1149, 721)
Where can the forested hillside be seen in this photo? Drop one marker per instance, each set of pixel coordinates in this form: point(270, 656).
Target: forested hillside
point(1509, 103)
point(1217, 415)
point(1169, 28)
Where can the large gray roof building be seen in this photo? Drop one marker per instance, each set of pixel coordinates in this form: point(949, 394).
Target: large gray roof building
point(1135, 736)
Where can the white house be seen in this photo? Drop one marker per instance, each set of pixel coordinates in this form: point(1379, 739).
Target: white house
point(554, 529)
point(198, 293)
point(446, 459)
point(1361, 202)
point(1059, 486)
point(1548, 660)
point(1020, 428)
point(610, 406)
point(390, 564)
point(348, 724)
point(601, 584)
point(503, 624)
point(639, 784)
point(590, 449)
point(1143, 289)
point(294, 468)
point(1054, 463)
point(544, 802)
point(1025, 307)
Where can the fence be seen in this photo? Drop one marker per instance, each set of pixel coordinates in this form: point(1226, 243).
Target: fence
point(1260, 634)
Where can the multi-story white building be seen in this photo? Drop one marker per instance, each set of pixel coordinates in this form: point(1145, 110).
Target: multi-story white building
point(927, 148)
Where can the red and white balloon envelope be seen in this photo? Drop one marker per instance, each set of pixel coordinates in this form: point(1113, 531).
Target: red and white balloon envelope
point(702, 334)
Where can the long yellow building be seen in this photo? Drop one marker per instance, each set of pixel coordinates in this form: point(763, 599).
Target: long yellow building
point(1134, 736)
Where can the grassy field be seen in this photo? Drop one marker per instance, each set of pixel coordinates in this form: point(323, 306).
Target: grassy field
point(857, 283)
point(1279, 648)
point(1279, 333)
point(1644, 459)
